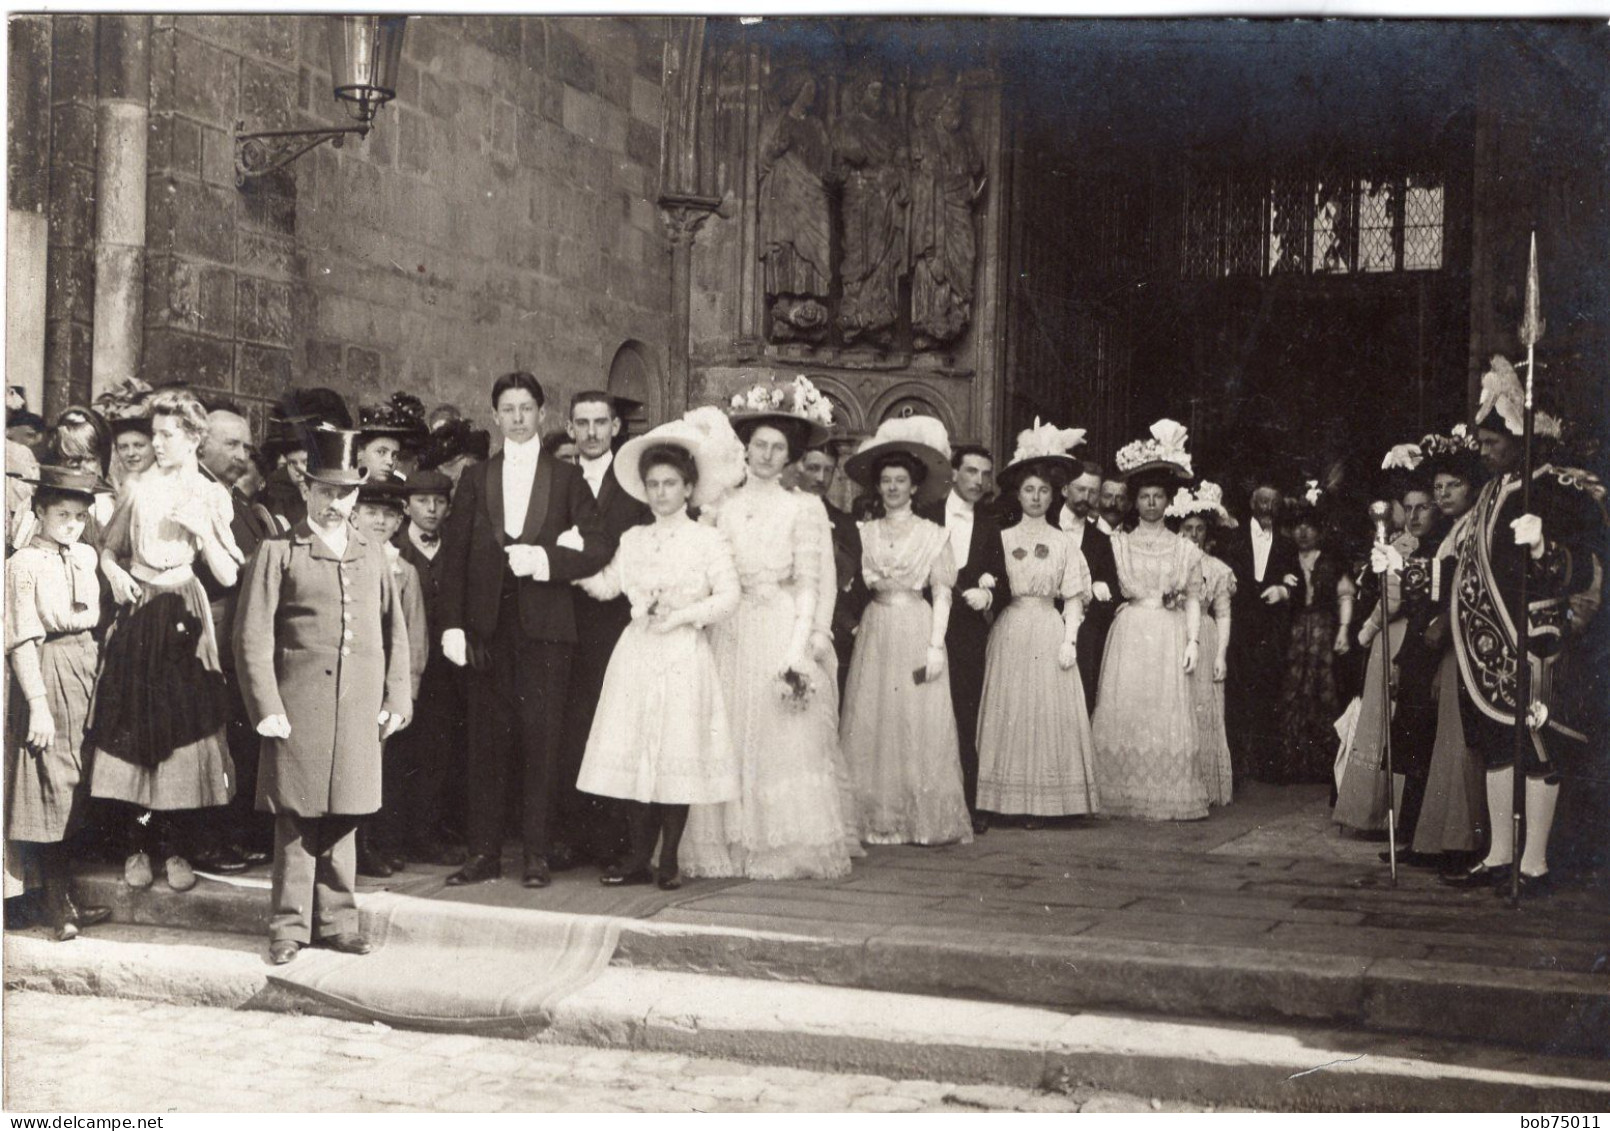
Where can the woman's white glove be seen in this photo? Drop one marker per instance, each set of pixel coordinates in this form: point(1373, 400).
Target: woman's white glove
point(1067, 656)
point(275, 726)
point(1220, 669)
point(935, 665)
point(1189, 663)
point(1368, 633)
point(455, 647)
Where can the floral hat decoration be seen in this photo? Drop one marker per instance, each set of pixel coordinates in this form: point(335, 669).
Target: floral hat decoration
point(403, 416)
point(798, 409)
point(1503, 403)
point(705, 434)
point(1042, 449)
point(125, 407)
point(1207, 499)
point(1457, 454)
point(1164, 450)
point(916, 435)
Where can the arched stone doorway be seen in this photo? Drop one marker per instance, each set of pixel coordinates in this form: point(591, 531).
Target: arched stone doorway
point(634, 382)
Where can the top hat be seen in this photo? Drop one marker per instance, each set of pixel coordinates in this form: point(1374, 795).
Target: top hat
point(332, 457)
point(296, 414)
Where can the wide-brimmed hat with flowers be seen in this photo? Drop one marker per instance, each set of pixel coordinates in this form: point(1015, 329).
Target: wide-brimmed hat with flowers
point(1163, 451)
point(923, 437)
point(706, 435)
point(1042, 449)
point(798, 409)
point(1207, 499)
point(1457, 454)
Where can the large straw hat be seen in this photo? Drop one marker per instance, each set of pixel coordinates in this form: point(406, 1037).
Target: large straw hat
point(1164, 450)
point(797, 409)
point(921, 436)
point(705, 434)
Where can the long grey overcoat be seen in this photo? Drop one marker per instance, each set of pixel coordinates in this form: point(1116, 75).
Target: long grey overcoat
point(322, 641)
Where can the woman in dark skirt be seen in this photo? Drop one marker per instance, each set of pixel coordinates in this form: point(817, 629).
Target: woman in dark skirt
point(53, 601)
point(1309, 701)
point(162, 705)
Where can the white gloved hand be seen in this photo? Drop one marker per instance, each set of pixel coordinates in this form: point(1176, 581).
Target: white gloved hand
point(1189, 663)
point(1274, 594)
point(275, 726)
point(1067, 656)
point(1384, 558)
point(1368, 633)
point(821, 645)
point(1528, 530)
point(455, 647)
point(526, 561)
point(1220, 669)
point(935, 665)
point(977, 599)
point(390, 724)
point(1101, 591)
point(571, 540)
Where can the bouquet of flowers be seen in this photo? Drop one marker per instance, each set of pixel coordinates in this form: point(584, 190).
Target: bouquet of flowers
point(795, 688)
point(1174, 600)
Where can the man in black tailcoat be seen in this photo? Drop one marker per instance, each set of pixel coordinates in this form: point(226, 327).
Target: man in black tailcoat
point(1266, 570)
point(1079, 519)
point(589, 828)
point(523, 527)
point(981, 588)
point(815, 475)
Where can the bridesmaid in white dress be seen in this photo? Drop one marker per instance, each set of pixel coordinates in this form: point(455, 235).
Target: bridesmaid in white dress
point(1145, 724)
point(1035, 755)
point(1199, 514)
point(786, 822)
point(660, 739)
point(899, 726)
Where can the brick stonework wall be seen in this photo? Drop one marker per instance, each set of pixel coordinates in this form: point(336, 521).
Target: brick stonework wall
point(499, 216)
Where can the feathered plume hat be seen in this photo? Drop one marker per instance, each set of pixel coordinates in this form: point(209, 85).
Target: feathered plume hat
point(923, 437)
point(1043, 449)
point(705, 434)
point(1164, 450)
point(1207, 499)
point(1503, 403)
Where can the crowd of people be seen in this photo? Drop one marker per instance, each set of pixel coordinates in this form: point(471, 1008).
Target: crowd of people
point(364, 644)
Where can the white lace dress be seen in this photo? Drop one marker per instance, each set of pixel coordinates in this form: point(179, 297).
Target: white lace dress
point(660, 732)
point(786, 822)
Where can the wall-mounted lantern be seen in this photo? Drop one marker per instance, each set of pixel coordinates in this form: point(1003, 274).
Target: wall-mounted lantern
point(365, 52)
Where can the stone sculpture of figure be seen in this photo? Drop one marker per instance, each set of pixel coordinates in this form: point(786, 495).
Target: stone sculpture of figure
point(872, 158)
point(946, 182)
point(795, 222)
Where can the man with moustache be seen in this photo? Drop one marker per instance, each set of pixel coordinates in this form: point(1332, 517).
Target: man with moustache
point(1079, 520)
point(1265, 565)
point(1116, 506)
point(589, 828)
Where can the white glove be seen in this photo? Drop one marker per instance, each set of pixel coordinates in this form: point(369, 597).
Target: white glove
point(390, 724)
point(1383, 558)
point(1528, 530)
point(1220, 669)
point(821, 645)
point(455, 647)
point(571, 540)
point(1368, 633)
point(977, 599)
point(1274, 594)
point(1067, 656)
point(1190, 657)
point(528, 561)
point(275, 726)
point(935, 666)
point(1101, 590)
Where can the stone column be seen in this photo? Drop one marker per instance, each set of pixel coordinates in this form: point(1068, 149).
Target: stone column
point(121, 116)
point(27, 195)
point(70, 292)
point(683, 216)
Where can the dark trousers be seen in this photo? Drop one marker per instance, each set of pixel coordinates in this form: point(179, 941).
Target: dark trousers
point(1252, 693)
point(1091, 645)
point(966, 641)
point(239, 824)
point(516, 725)
point(315, 872)
point(594, 826)
point(420, 760)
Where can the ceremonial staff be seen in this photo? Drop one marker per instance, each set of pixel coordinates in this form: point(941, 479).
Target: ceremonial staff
point(1531, 331)
point(1380, 514)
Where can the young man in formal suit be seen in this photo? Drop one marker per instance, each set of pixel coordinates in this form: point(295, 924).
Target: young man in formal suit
point(815, 475)
point(523, 526)
point(589, 828)
point(423, 756)
point(1080, 521)
point(1264, 562)
point(981, 588)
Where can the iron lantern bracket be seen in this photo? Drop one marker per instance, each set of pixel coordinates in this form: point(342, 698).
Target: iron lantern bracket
point(266, 151)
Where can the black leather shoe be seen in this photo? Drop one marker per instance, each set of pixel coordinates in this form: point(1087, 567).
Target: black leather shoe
point(671, 882)
point(347, 942)
point(225, 862)
point(626, 877)
point(1531, 886)
point(371, 863)
point(282, 951)
point(1408, 858)
point(477, 869)
point(253, 857)
point(1480, 876)
point(980, 824)
point(536, 872)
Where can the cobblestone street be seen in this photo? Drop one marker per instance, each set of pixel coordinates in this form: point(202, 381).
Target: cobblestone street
point(84, 1054)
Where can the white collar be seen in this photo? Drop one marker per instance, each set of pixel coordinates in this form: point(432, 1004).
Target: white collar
point(522, 453)
point(595, 468)
point(955, 504)
point(1258, 530)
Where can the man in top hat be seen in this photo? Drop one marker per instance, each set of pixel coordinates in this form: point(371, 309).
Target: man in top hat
point(1559, 546)
point(523, 526)
point(981, 587)
point(322, 651)
point(589, 827)
point(1265, 565)
point(423, 758)
point(288, 422)
point(1081, 521)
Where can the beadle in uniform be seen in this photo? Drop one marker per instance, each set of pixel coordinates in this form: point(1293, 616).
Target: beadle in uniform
point(322, 652)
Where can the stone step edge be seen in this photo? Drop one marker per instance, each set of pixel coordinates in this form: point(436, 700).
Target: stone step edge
point(1540, 1010)
point(834, 1028)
